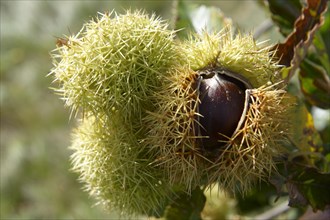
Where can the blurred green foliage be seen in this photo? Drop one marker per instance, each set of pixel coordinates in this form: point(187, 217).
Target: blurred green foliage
point(35, 178)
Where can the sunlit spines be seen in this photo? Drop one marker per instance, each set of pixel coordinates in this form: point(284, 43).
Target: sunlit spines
point(239, 53)
point(138, 92)
point(108, 72)
point(115, 63)
point(249, 157)
point(249, 154)
point(115, 170)
point(172, 129)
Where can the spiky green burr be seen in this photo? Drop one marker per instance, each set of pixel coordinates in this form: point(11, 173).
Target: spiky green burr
point(116, 169)
point(239, 53)
point(137, 93)
point(115, 64)
point(107, 74)
point(247, 156)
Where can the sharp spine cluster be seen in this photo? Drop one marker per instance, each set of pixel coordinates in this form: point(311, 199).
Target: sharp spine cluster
point(135, 88)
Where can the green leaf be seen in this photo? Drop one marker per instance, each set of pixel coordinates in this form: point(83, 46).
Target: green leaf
point(191, 18)
point(304, 136)
point(182, 18)
point(314, 75)
point(308, 185)
point(284, 13)
point(325, 135)
point(306, 171)
point(186, 207)
point(315, 82)
point(293, 50)
point(322, 42)
point(325, 33)
point(257, 198)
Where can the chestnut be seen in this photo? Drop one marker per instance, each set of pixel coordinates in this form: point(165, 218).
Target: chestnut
point(222, 101)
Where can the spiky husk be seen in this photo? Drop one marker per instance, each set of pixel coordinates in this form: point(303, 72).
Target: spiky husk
point(108, 71)
point(172, 129)
point(136, 88)
point(249, 155)
point(115, 64)
point(115, 168)
point(239, 53)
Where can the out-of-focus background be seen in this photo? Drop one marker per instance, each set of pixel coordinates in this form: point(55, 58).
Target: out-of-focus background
point(36, 181)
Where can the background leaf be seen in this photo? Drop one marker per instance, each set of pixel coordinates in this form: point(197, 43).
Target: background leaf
point(182, 19)
point(314, 82)
point(193, 18)
point(314, 74)
point(308, 185)
point(186, 207)
point(306, 39)
point(294, 49)
point(306, 171)
point(284, 13)
point(303, 134)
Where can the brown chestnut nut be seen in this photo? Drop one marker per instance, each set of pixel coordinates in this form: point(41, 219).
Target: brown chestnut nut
point(222, 101)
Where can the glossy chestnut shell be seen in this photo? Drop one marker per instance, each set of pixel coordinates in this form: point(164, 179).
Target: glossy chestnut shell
point(222, 101)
